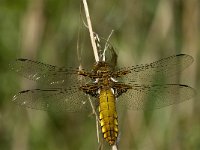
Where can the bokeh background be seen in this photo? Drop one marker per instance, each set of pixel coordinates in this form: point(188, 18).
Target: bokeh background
point(145, 30)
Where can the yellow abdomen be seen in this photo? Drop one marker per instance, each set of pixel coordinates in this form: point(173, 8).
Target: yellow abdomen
point(108, 116)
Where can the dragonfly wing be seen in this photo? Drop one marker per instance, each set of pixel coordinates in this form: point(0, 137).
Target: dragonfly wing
point(69, 100)
point(166, 67)
point(48, 75)
point(154, 96)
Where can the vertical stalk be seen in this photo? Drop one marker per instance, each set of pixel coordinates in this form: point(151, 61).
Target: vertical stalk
point(94, 47)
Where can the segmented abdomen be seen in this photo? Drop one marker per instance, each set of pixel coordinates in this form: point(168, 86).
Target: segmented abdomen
point(108, 116)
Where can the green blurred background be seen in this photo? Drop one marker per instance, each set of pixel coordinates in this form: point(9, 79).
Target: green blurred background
point(145, 30)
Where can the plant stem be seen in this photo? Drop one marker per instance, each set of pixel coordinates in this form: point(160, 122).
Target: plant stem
point(94, 47)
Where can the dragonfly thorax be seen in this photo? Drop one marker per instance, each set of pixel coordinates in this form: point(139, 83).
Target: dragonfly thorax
point(101, 67)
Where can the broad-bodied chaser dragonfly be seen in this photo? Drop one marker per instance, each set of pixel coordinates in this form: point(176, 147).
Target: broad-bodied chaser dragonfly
point(128, 87)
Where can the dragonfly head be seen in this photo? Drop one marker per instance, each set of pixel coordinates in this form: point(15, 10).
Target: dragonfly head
point(101, 67)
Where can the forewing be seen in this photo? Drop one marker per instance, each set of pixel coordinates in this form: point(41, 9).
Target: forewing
point(167, 67)
point(154, 96)
point(69, 100)
point(48, 75)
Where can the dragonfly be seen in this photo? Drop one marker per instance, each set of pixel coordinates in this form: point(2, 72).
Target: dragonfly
point(67, 89)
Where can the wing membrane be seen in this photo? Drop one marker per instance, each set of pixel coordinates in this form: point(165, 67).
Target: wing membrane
point(154, 96)
point(69, 100)
point(166, 67)
point(48, 75)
